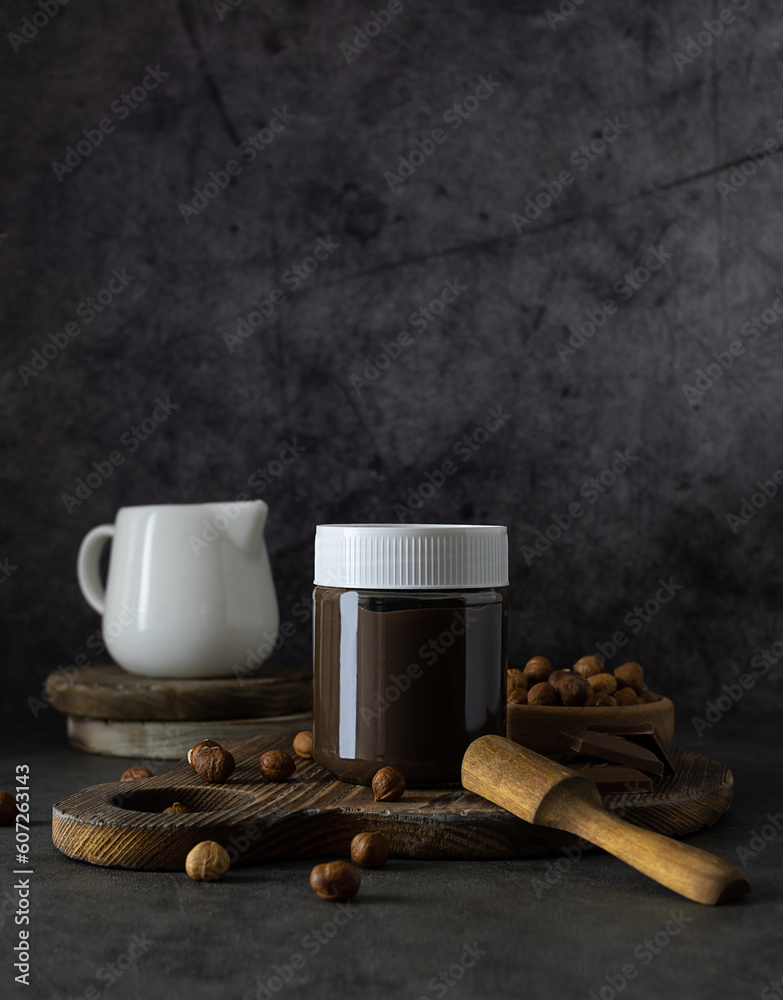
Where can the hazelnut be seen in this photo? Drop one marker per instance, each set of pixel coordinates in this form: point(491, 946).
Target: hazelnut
point(517, 697)
point(649, 696)
point(208, 861)
point(574, 690)
point(602, 682)
point(589, 665)
point(557, 675)
point(214, 764)
point(515, 679)
point(542, 694)
point(8, 808)
point(276, 765)
point(370, 850)
point(303, 744)
point(176, 807)
point(625, 696)
point(135, 773)
point(335, 881)
point(600, 700)
point(199, 746)
point(537, 669)
point(630, 675)
point(388, 785)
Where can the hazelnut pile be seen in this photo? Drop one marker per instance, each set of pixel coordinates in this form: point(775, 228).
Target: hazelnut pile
point(339, 880)
point(586, 684)
point(209, 861)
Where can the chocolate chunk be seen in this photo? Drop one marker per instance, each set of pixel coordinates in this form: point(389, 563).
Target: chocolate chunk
point(610, 778)
point(643, 733)
point(617, 749)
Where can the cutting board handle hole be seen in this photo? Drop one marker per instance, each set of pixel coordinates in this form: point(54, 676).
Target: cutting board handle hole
point(198, 800)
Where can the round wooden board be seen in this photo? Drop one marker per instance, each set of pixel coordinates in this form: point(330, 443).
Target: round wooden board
point(171, 740)
point(314, 815)
point(109, 692)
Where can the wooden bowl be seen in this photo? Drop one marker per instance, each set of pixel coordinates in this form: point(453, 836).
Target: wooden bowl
point(538, 727)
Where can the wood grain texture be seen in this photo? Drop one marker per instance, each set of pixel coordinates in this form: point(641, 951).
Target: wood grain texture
point(545, 793)
point(109, 692)
point(538, 727)
point(314, 815)
point(172, 740)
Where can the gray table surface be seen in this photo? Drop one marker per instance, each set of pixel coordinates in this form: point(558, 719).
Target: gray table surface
point(592, 928)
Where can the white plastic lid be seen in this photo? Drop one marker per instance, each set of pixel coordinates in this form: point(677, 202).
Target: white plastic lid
point(411, 556)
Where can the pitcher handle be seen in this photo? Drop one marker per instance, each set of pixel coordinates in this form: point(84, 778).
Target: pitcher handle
point(88, 566)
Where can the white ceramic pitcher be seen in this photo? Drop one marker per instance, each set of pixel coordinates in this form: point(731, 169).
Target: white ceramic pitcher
point(189, 591)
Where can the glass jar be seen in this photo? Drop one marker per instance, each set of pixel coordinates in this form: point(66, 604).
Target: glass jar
point(409, 654)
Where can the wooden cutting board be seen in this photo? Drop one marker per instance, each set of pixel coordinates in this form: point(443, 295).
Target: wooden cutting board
point(313, 815)
point(115, 713)
point(170, 740)
point(109, 692)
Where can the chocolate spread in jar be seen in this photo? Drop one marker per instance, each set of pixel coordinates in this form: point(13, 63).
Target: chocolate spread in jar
point(408, 679)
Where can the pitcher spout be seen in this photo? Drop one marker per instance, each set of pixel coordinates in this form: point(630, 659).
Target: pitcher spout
point(247, 520)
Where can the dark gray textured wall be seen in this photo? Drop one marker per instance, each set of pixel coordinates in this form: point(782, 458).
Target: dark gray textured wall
point(671, 177)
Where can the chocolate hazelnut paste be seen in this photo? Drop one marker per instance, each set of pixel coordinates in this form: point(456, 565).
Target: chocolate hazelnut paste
point(406, 678)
